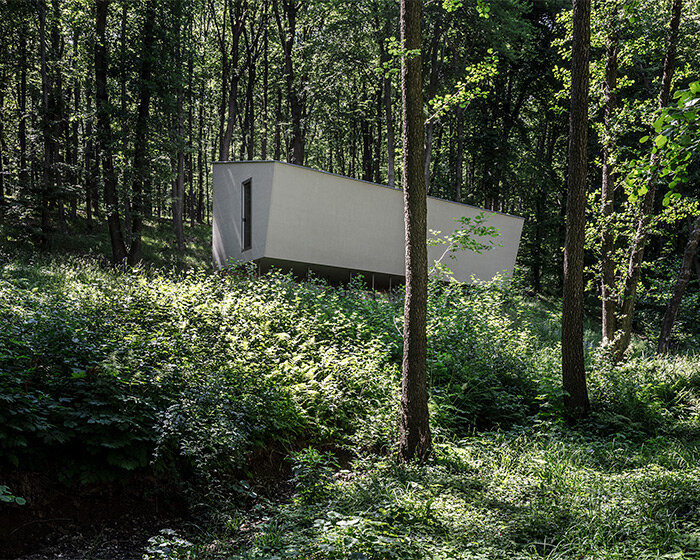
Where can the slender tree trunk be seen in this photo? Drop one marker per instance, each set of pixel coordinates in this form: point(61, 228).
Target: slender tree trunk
point(104, 134)
point(3, 148)
point(367, 163)
point(141, 135)
point(689, 255)
point(46, 130)
point(390, 141)
point(459, 175)
point(435, 58)
point(190, 119)
point(90, 161)
point(250, 108)
point(22, 103)
point(415, 442)
point(278, 124)
point(59, 120)
point(178, 194)
point(265, 124)
point(573, 368)
point(122, 120)
point(634, 267)
point(75, 133)
point(378, 136)
point(609, 304)
point(237, 14)
point(296, 104)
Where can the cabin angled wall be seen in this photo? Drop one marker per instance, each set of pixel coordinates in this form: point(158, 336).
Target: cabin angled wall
point(228, 214)
point(312, 220)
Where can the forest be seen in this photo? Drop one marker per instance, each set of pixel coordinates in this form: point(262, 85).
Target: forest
point(151, 407)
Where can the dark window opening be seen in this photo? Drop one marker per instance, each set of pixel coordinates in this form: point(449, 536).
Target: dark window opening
point(246, 212)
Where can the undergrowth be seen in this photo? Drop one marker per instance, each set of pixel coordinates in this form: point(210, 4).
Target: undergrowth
point(187, 375)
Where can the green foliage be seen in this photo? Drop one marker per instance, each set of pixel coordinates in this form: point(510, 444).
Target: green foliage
point(313, 471)
point(7, 497)
point(520, 494)
point(104, 371)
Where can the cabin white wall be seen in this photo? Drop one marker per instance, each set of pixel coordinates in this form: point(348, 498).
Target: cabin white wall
point(321, 218)
point(468, 264)
point(226, 230)
point(307, 216)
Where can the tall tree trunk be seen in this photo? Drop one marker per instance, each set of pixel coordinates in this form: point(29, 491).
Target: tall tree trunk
point(434, 50)
point(459, 175)
point(104, 133)
point(415, 442)
point(122, 120)
point(689, 255)
point(75, 131)
point(237, 13)
point(608, 301)
point(200, 150)
point(250, 109)
point(377, 158)
point(634, 267)
point(573, 368)
point(141, 135)
point(296, 104)
point(367, 162)
point(278, 127)
point(190, 119)
point(58, 119)
point(2, 149)
point(22, 105)
point(263, 140)
point(390, 141)
point(46, 131)
point(178, 194)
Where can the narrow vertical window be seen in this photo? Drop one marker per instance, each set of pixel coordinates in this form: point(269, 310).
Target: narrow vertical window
point(246, 211)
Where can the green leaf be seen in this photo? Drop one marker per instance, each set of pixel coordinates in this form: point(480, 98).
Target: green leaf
point(643, 139)
point(660, 141)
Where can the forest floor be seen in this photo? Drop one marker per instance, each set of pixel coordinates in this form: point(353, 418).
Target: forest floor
point(167, 412)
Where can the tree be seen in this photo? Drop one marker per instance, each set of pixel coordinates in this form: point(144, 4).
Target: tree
point(141, 136)
point(415, 442)
point(634, 267)
point(608, 180)
point(104, 133)
point(573, 367)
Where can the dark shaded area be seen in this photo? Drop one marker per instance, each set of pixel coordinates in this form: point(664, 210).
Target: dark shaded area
point(107, 520)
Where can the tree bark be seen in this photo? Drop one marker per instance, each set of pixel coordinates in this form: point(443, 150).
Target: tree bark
point(104, 133)
point(415, 442)
point(573, 367)
point(22, 102)
point(2, 147)
point(46, 131)
point(278, 127)
point(141, 136)
point(634, 267)
point(608, 301)
point(296, 103)
point(434, 50)
point(237, 15)
point(689, 255)
point(178, 193)
point(459, 175)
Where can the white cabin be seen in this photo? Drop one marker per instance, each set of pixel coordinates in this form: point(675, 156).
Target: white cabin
point(298, 219)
